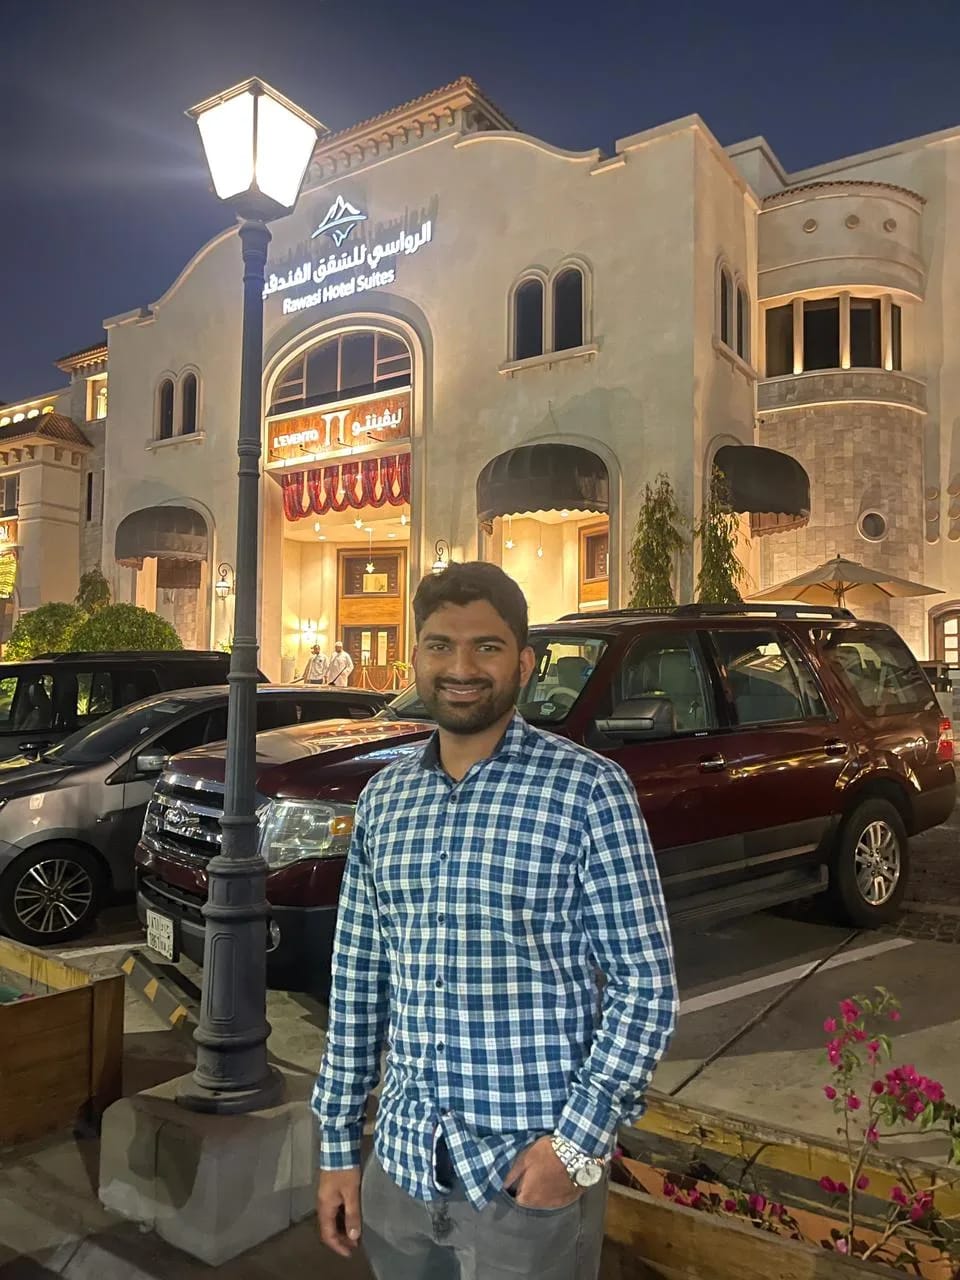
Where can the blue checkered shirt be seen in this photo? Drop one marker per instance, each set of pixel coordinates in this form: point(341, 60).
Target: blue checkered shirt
point(473, 919)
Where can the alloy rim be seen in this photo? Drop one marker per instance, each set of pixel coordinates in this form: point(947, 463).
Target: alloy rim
point(877, 862)
point(53, 896)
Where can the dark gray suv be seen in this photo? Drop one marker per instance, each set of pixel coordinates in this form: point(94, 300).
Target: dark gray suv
point(70, 821)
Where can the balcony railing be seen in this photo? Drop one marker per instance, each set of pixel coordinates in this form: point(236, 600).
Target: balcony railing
point(842, 386)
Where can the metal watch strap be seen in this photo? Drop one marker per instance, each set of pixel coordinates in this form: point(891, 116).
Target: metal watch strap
point(572, 1157)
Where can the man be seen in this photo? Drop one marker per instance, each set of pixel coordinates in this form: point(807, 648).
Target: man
point(492, 873)
point(339, 666)
point(315, 672)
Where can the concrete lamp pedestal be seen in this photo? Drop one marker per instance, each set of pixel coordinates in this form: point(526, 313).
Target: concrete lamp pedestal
point(211, 1185)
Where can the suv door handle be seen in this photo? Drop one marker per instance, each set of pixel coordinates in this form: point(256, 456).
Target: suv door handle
point(712, 764)
point(836, 748)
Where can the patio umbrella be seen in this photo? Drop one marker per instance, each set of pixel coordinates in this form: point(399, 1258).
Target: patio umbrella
point(845, 582)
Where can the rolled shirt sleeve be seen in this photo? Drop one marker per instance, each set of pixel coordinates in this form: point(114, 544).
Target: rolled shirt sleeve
point(359, 1009)
point(626, 926)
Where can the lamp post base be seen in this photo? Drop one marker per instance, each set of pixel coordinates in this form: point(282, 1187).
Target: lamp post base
point(231, 1102)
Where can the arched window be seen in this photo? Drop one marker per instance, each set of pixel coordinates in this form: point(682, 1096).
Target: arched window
point(351, 364)
point(568, 309)
point(188, 405)
point(743, 323)
point(528, 320)
point(165, 409)
point(726, 297)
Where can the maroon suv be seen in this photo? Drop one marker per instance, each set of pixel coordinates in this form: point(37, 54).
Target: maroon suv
point(777, 751)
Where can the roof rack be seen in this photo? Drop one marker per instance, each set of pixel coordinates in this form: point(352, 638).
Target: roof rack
point(134, 655)
point(756, 609)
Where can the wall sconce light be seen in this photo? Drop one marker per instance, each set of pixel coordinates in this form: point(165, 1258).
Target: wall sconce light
point(442, 550)
point(226, 581)
point(509, 544)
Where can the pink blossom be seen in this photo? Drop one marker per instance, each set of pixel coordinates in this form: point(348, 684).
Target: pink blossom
point(695, 1198)
point(834, 1052)
point(669, 1190)
point(682, 1201)
point(863, 1182)
point(898, 1196)
point(873, 1050)
point(730, 1206)
point(894, 1015)
point(849, 1011)
point(757, 1203)
point(858, 1034)
point(830, 1092)
point(841, 1246)
point(872, 1136)
point(932, 1089)
point(828, 1185)
point(842, 1189)
point(777, 1211)
point(853, 1102)
point(877, 1086)
point(916, 1213)
point(830, 1025)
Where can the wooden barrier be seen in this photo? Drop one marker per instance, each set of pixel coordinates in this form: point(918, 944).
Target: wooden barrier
point(61, 1051)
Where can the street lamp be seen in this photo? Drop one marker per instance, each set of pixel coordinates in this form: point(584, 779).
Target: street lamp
point(257, 145)
point(224, 575)
point(442, 552)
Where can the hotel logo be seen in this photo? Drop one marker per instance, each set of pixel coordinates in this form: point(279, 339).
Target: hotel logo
point(339, 221)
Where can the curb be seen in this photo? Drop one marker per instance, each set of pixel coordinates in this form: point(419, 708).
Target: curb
point(173, 997)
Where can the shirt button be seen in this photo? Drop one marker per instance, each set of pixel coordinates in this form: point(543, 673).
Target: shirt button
point(440, 1046)
point(439, 982)
point(440, 918)
point(443, 857)
point(453, 798)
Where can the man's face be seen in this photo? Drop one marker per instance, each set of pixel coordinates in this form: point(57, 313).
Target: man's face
point(469, 667)
point(339, 648)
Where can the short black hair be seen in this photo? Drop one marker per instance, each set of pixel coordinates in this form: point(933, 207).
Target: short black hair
point(462, 584)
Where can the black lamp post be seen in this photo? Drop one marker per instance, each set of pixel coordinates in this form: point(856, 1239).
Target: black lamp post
point(258, 146)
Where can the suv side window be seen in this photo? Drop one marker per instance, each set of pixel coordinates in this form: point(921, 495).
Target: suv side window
point(769, 679)
point(664, 664)
point(879, 670)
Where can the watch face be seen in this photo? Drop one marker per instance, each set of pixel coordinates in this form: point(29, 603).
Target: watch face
point(589, 1175)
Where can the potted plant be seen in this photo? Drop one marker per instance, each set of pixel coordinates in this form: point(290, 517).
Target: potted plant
point(862, 1213)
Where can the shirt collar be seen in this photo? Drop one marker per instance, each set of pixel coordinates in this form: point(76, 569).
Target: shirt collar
point(509, 747)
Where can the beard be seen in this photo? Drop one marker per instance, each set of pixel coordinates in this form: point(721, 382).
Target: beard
point(492, 704)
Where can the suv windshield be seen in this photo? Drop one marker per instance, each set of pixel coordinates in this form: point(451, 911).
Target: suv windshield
point(117, 734)
point(565, 663)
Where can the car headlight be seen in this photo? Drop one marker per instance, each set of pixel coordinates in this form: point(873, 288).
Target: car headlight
point(294, 830)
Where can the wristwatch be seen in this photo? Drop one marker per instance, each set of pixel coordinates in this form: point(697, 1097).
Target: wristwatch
point(584, 1170)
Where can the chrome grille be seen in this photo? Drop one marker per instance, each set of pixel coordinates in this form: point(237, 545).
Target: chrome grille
point(183, 817)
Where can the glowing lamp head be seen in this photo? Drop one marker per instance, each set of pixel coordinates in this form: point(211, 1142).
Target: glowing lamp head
point(258, 145)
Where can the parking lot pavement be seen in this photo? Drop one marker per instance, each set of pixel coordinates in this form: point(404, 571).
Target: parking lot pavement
point(749, 1041)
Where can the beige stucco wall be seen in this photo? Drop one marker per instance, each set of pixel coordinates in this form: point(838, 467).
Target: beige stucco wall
point(641, 397)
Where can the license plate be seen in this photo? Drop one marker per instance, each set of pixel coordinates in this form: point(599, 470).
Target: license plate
point(160, 935)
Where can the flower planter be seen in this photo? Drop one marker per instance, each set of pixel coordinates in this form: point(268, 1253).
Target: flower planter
point(60, 1047)
point(650, 1239)
point(649, 1236)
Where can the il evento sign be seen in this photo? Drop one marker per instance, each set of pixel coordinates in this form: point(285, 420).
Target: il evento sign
point(350, 271)
point(339, 428)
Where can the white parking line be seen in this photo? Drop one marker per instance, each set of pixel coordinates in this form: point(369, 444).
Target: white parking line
point(97, 951)
point(726, 995)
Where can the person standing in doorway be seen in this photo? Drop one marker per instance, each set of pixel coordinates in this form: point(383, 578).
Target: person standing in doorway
point(315, 672)
point(492, 875)
point(339, 666)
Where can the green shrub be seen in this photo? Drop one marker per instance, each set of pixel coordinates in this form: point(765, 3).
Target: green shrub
point(43, 630)
point(123, 626)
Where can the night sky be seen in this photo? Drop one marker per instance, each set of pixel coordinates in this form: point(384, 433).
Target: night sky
point(103, 192)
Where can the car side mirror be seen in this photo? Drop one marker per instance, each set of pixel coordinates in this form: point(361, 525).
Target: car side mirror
point(640, 718)
point(151, 763)
point(33, 750)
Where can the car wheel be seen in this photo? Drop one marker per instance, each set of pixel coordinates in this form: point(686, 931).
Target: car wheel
point(51, 894)
point(868, 879)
